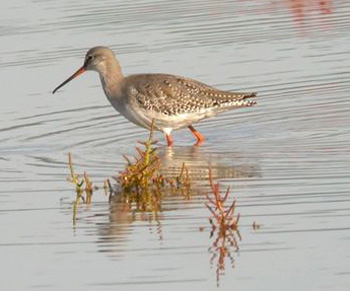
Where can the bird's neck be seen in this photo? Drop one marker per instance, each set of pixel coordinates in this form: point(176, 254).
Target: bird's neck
point(112, 80)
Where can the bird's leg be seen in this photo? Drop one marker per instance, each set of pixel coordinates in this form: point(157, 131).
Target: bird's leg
point(200, 138)
point(169, 139)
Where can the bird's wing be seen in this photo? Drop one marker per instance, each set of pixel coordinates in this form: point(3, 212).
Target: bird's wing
point(174, 95)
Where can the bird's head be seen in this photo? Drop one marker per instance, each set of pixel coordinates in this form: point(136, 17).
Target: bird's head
point(96, 59)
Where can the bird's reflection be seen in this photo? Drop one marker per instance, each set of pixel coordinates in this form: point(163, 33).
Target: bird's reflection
point(198, 161)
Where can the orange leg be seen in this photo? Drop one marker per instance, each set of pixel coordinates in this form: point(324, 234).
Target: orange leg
point(200, 138)
point(169, 139)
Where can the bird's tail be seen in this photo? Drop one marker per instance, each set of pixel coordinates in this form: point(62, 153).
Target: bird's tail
point(236, 100)
point(246, 101)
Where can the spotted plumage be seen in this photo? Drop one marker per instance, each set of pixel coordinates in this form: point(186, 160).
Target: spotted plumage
point(172, 101)
point(173, 95)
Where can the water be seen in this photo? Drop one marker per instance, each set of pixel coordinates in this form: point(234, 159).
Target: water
point(286, 160)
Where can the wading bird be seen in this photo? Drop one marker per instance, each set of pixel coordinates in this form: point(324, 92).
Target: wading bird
point(173, 102)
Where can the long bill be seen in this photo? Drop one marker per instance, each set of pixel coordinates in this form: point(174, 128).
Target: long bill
point(76, 74)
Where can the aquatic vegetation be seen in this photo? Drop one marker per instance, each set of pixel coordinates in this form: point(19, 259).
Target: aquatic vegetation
point(224, 224)
point(74, 178)
point(142, 185)
point(140, 181)
point(83, 194)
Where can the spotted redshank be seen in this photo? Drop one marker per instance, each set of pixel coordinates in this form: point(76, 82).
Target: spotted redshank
point(173, 102)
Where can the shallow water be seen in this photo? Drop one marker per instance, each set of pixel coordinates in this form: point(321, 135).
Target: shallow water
point(286, 160)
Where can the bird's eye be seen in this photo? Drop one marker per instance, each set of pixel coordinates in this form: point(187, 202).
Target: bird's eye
point(90, 57)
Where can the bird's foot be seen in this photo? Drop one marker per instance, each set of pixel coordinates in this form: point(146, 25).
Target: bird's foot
point(200, 138)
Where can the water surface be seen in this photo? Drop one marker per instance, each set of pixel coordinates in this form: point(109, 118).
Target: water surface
point(286, 160)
